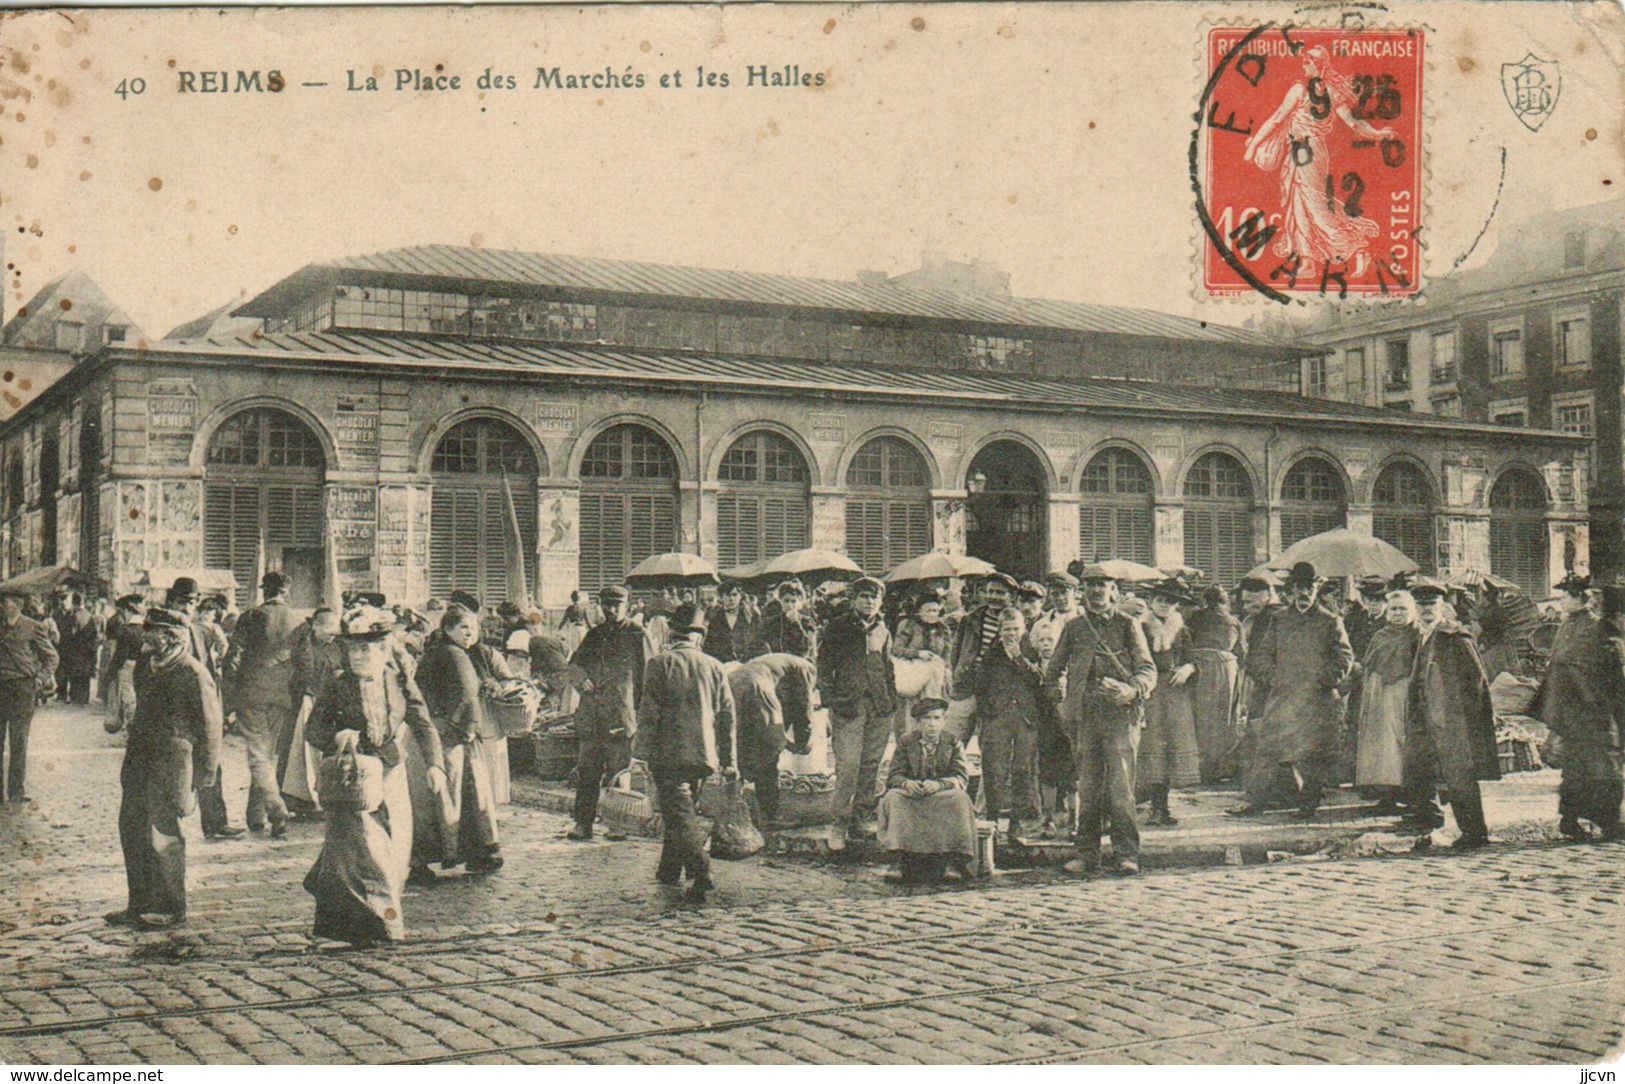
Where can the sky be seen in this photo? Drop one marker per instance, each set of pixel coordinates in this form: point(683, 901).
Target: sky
point(1050, 140)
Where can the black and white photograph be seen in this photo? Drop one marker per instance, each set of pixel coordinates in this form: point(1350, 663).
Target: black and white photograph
point(796, 533)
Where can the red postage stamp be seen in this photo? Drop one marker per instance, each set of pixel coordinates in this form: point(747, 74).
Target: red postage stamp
point(1307, 161)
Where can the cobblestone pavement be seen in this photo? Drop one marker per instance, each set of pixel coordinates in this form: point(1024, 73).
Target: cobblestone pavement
point(570, 955)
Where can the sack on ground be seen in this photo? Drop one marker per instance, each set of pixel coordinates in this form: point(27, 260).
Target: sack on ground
point(1511, 695)
point(734, 834)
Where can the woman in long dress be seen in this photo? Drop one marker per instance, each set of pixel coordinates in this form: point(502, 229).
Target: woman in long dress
point(1385, 680)
point(368, 709)
point(1168, 751)
point(1318, 226)
point(925, 814)
point(1215, 636)
point(452, 687)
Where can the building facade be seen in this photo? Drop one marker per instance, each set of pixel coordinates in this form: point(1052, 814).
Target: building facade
point(1531, 338)
point(391, 414)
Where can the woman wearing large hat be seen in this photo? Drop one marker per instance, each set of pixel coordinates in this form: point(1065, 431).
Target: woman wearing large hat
point(360, 724)
point(1168, 752)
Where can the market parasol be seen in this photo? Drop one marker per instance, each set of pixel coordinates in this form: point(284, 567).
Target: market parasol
point(40, 581)
point(745, 573)
point(813, 566)
point(209, 580)
point(1130, 571)
point(1273, 576)
point(672, 570)
point(938, 566)
point(1472, 577)
point(1342, 552)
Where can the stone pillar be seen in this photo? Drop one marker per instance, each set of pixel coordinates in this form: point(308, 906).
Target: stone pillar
point(1266, 531)
point(689, 521)
point(1568, 540)
point(1358, 518)
point(401, 543)
point(1168, 537)
point(948, 521)
point(828, 524)
point(707, 520)
point(1063, 529)
point(1463, 543)
point(558, 542)
point(352, 529)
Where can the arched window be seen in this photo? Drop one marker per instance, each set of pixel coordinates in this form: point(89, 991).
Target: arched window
point(1312, 501)
point(468, 529)
point(1219, 518)
point(1402, 512)
point(262, 503)
point(762, 500)
point(888, 505)
point(1518, 539)
point(1007, 510)
point(1115, 517)
point(628, 503)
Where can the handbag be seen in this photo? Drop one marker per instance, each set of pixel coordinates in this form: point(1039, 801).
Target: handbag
point(734, 834)
point(351, 781)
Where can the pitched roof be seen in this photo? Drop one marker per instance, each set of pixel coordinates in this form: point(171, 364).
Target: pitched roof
point(216, 322)
point(439, 354)
point(72, 297)
point(451, 265)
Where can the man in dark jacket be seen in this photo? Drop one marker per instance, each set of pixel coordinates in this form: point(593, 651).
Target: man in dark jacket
point(81, 641)
point(608, 668)
point(1109, 672)
point(27, 669)
point(786, 627)
point(685, 734)
point(1009, 683)
point(859, 688)
point(174, 743)
point(977, 631)
point(771, 692)
point(1294, 712)
point(259, 688)
point(730, 631)
point(1450, 731)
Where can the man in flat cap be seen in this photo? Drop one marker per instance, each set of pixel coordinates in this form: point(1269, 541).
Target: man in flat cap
point(786, 627)
point(174, 745)
point(27, 668)
point(1060, 605)
point(259, 688)
point(859, 688)
point(1293, 678)
point(1108, 674)
point(608, 668)
point(1450, 732)
point(685, 734)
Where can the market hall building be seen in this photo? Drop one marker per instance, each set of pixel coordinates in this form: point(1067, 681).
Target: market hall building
point(388, 402)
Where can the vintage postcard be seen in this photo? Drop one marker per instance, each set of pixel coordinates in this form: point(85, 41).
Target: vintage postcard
point(1026, 533)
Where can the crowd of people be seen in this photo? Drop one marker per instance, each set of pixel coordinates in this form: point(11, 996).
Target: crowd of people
point(1086, 698)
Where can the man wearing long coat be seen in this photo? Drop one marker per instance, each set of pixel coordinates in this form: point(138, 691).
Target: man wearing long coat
point(1294, 675)
point(859, 686)
point(1582, 699)
point(609, 666)
point(174, 745)
point(259, 688)
point(685, 734)
point(1108, 674)
point(1450, 735)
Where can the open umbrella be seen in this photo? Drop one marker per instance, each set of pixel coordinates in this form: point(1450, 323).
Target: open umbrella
point(1472, 577)
point(1130, 571)
point(1343, 552)
point(745, 573)
point(39, 581)
point(672, 570)
point(938, 566)
point(813, 566)
point(1273, 576)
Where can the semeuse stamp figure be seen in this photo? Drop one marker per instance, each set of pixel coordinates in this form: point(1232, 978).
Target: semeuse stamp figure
point(1307, 161)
